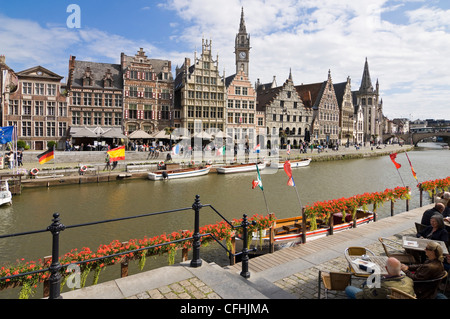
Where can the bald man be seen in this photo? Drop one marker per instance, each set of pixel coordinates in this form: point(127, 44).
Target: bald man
point(394, 279)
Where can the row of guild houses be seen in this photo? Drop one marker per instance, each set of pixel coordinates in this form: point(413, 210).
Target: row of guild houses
point(110, 103)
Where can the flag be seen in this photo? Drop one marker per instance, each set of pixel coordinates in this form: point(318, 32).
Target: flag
point(117, 154)
point(257, 149)
point(288, 170)
point(412, 169)
point(221, 150)
point(176, 150)
point(46, 156)
point(258, 181)
point(393, 156)
point(6, 134)
point(288, 151)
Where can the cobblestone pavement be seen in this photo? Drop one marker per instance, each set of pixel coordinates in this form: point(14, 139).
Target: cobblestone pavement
point(303, 285)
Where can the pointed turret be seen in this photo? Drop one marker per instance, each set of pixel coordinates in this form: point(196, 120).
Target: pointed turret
point(366, 82)
point(242, 28)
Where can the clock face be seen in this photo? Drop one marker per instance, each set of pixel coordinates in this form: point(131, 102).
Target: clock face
point(242, 55)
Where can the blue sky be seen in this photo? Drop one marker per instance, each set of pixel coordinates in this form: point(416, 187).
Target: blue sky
point(406, 42)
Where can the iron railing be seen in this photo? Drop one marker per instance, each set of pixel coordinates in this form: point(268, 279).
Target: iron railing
point(57, 227)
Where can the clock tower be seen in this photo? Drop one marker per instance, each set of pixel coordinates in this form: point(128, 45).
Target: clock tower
point(242, 47)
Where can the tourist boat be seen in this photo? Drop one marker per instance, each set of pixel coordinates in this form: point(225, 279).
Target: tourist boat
point(288, 231)
point(179, 173)
point(296, 163)
point(5, 193)
point(240, 168)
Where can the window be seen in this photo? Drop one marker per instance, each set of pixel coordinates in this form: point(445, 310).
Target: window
point(108, 100)
point(260, 121)
point(108, 118)
point(133, 91)
point(117, 119)
point(76, 98)
point(14, 107)
point(198, 111)
point(38, 128)
point(230, 104)
point(244, 104)
point(97, 99)
point(27, 88)
point(237, 104)
point(51, 109)
point(205, 112)
point(87, 99)
point(237, 90)
point(62, 128)
point(51, 89)
point(76, 118)
point(220, 115)
point(237, 118)
point(230, 118)
point(190, 111)
point(148, 93)
point(51, 129)
point(39, 89)
point(165, 113)
point(244, 91)
point(97, 118)
point(62, 109)
point(213, 113)
point(147, 112)
point(87, 118)
point(26, 108)
point(26, 128)
point(251, 105)
point(118, 101)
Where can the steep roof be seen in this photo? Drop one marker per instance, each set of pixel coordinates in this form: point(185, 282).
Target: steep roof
point(266, 96)
point(311, 93)
point(98, 70)
point(339, 90)
point(366, 81)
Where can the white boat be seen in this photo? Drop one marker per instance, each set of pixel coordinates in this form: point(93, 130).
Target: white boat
point(5, 194)
point(178, 173)
point(296, 163)
point(240, 168)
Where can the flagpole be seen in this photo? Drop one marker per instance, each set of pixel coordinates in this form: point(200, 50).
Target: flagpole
point(401, 178)
point(265, 201)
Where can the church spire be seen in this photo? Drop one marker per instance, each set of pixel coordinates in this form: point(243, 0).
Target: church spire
point(242, 28)
point(366, 82)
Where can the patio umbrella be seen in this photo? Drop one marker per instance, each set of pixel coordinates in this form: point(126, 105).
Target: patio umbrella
point(203, 135)
point(221, 134)
point(139, 134)
point(161, 135)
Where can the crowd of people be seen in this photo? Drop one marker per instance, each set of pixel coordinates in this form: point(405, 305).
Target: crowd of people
point(420, 279)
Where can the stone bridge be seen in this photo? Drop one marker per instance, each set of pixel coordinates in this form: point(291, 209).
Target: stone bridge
point(415, 137)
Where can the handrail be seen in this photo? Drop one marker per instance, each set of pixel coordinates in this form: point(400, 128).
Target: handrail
point(56, 227)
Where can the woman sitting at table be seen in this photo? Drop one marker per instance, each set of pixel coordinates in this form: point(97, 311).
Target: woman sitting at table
point(436, 230)
point(432, 268)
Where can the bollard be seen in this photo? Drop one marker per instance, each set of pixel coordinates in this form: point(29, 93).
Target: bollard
point(245, 273)
point(55, 267)
point(196, 261)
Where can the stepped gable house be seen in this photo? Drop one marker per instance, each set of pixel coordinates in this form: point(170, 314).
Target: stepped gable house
point(148, 93)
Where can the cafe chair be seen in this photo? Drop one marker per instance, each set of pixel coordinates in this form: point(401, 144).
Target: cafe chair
point(391, 245)
point(430, 285)
point(336, 281)
point(399, 294)
point(419, 227)
point(356, 251)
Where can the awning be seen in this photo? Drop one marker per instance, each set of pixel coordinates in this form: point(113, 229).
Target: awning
point(161, 135)
point(203, 135)
point(139, 134)
point(96, 132)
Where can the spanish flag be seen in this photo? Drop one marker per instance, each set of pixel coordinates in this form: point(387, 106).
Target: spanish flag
point(117, 154)
point(46, 156)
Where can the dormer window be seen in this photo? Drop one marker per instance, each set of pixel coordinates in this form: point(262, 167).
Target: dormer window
point(107, 79)
point(88, 78)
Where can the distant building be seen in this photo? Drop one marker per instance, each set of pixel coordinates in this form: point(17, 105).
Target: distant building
point(147, 93)
point(95, 102)
point(344, 98)
point(37, 106)
point(322, 99)
point(200, 93)
point(372, 106)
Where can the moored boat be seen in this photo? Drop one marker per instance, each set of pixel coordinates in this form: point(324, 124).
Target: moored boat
point(287, 232)
point(5, 193)
point(179, 173)
point(297, 163)
point(240, 168)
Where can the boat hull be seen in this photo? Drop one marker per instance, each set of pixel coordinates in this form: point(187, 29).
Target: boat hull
point(181, 173)
point(295, 238)
point(295, 164)
point(239, 168)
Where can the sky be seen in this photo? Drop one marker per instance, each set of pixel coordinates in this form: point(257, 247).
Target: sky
point(406, 42)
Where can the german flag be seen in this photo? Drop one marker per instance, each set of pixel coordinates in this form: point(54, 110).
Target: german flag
point(46, 156)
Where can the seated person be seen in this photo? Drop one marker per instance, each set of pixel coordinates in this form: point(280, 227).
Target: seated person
point(432, 268)
point(437, 209)
point(393, 279)
point(436, 230)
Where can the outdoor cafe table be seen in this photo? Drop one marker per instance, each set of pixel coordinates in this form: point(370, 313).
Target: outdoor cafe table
point(379, 261)
point(419, 244)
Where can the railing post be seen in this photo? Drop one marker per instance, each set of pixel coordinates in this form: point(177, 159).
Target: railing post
point(245, 273)
point(55, 267)
point(421, 195)
point(196, 261)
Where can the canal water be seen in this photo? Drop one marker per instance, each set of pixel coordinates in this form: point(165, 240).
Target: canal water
point(232, 195)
